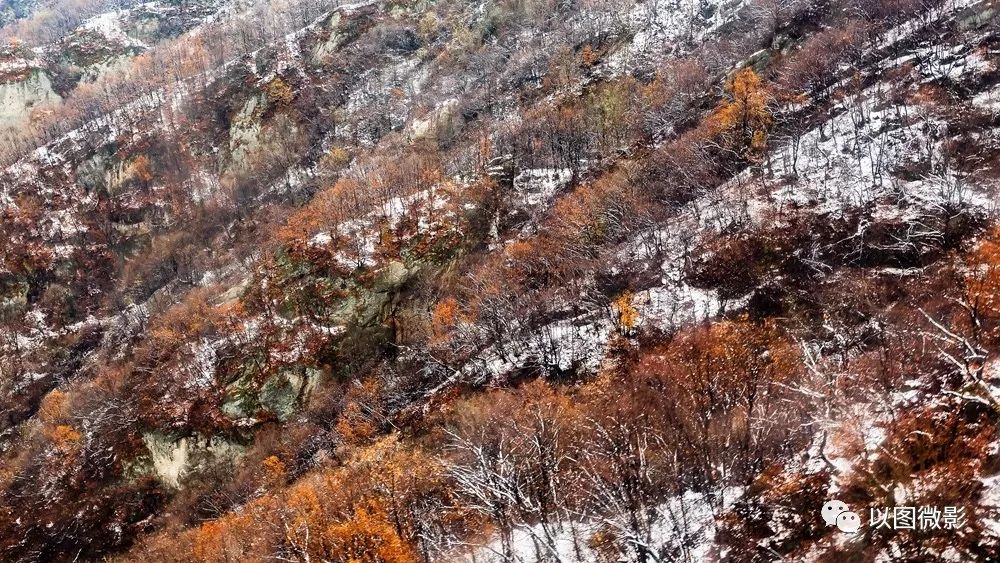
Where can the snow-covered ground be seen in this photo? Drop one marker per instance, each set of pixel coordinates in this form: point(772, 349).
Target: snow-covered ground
point(663, 27)
point(538, 186)
point(849, 162)
point(684, 526)
point(109, 26)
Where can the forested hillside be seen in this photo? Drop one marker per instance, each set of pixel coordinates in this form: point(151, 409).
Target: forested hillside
point(506, 280)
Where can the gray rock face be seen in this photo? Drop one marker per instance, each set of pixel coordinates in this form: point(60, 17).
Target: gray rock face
point(977, 16)
point(281, 395)
point(171, 458)
point(17, 98)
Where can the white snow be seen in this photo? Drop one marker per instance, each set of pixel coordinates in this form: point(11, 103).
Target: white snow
point(538, 186)
point(662, 27)
point(109, 25)
point(685, 524)
point(988, 100)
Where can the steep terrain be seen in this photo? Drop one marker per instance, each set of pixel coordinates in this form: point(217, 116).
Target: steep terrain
point(507, 280)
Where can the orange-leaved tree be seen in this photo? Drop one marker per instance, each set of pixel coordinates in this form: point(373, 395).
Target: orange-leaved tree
point(367, 537)
point(981, 295)
point(627, 313)
point(743, 119)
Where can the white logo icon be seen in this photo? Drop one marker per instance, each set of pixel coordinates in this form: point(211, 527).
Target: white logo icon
point(831, 510)
point(849, 522)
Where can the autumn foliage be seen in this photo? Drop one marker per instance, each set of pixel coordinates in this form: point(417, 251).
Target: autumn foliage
point(743, 119)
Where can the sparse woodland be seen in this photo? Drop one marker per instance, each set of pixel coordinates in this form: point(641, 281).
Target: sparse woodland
point(514, 280)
